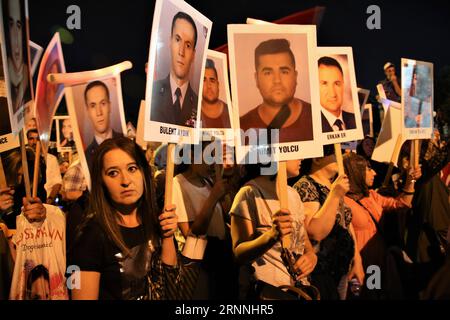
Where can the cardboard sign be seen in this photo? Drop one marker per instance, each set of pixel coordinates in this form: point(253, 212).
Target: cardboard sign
point(14, 40)
point(94, 101)
point(390, 131)
point(216, 112)
point(283, 123)
point(417, 99)
point(179, 42)
point(48, 95)
point(339, 102)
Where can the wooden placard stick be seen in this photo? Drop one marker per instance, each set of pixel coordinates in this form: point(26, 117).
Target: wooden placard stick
point(340, 162)
point(416, 153)
point(282, 192)
point(168, 200)
point(26, 174)
point(3, 182)
point(36, 169)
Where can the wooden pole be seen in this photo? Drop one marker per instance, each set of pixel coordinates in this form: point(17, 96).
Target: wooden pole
point(416, 152)
point(283, 196)
point(26, 174)
point(168, 200)
point(36, 169)
point(340, 162)
point(3, 182)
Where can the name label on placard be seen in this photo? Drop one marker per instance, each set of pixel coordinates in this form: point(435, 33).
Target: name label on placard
point(417, 131)
point(336, 135)
point(174, 131)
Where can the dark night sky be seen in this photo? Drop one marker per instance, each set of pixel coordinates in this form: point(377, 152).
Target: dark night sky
point(114, 31)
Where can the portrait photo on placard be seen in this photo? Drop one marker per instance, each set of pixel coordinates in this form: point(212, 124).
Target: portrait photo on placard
point(273, 74)
point(15, 42)
point(179, 41)
point(49, 95)
point(7, 139)
point(216, 111)
point(64, 134)
point(339, 101)
point(417, 98)
point(99, 113)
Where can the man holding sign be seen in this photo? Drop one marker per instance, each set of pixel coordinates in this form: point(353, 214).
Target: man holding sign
point(276, 79)
point(173, 100)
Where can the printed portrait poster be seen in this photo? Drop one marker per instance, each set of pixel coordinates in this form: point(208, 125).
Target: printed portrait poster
point(40, 266)
point(391, 129)
point(417, 99)
point(64, 134)
point(339, 102)
point(35, 54)
point(95, 105)
point(8, 140)
point(216, 110)
point(175, 72)
point(48, 95)
point(273, 102)
point(15, 55)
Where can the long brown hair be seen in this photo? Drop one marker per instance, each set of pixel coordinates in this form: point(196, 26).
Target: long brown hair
point(355, 168)
point(101, 205)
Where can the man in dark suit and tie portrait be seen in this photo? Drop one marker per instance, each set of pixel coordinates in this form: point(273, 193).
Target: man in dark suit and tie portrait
point(173, 100)
point(331, 83)
point(98, 107)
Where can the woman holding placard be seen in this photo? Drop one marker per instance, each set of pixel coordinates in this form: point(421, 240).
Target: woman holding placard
point(328, 222)
point(368, 206)
point(257, 227)
point(125, 249)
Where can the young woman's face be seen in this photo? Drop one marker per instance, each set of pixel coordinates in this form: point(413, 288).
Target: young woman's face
point(370, 176)
point(122, 177)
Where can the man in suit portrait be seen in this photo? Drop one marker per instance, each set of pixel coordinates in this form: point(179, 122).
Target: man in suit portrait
point(98, 107)
point(331, 83)
point(173, 100)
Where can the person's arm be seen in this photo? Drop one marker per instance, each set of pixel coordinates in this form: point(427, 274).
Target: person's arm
point(53, 193)
point(307, 262)
point(8, 236)
point(408, 190)
point(247, 246)
point(320, 221)
point(89, 286)
point(168, 224)
point(203, 218)
point(357, 270)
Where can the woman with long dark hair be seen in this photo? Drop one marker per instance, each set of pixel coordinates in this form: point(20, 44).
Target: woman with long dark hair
point(328, 222)
point(126, 248)
point(368, 208)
